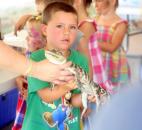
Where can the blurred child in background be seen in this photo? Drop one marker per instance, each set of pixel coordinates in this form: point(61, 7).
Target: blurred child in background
point(111, 30)
point(35, 41)
point(40, 4)
point(107, 40)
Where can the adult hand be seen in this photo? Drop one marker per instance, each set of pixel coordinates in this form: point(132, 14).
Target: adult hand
point(57, 74)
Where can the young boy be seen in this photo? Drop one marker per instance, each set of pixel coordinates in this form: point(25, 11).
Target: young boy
point(60, 29)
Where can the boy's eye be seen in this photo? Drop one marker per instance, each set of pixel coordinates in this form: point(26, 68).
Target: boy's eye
point(59, 26)
point(73, 28)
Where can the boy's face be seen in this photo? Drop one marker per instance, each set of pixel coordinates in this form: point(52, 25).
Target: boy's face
point(61, 30)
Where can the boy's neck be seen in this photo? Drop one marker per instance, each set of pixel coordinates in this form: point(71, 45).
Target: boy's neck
point(66, 53)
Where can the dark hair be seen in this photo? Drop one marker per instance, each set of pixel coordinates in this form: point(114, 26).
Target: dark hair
point(46, 2)
point(54, 7)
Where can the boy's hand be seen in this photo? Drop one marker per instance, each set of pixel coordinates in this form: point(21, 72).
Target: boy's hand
point(71, 85)
point(68, 86)
point(24, 93)
point(22, 86)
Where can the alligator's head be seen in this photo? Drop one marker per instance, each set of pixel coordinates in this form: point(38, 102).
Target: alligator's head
point(55, 56)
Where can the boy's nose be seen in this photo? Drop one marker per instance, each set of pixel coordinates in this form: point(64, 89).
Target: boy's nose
point(66, 31)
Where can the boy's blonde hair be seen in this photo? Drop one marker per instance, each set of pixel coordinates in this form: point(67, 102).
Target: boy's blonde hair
point(54, 7)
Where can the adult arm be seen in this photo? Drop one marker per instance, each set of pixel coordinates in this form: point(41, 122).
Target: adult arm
point(50, 94)
point(44, 70)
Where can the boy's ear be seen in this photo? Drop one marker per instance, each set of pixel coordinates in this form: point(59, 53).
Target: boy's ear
point(43, 29)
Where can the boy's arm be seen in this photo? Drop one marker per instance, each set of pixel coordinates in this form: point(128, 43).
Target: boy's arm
point(50, 94)
point(21, 23)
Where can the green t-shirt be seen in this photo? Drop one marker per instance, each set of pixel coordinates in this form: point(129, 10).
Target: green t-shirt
point(36, 107)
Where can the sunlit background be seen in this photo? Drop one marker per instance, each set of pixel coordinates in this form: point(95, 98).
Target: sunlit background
point(5, 4)
point(11, 10)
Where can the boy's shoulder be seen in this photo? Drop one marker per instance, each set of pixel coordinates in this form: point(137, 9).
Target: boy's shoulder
point(77, 54)
point(38, 55)
point(79, 59)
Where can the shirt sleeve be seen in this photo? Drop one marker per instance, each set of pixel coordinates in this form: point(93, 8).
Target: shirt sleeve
point(35, 84)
